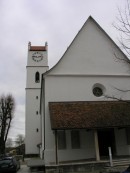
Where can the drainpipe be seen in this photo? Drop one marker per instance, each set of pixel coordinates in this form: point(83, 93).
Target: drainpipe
point(42, 101)
point(44, 111)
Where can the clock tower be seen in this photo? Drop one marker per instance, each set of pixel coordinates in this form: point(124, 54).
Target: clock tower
point(37, 64)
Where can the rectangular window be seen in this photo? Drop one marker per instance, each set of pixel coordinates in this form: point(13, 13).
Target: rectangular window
point(75, 139)
point(61, 139)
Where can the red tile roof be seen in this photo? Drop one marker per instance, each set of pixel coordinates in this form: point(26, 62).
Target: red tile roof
point(89, 115)
point(37, 48)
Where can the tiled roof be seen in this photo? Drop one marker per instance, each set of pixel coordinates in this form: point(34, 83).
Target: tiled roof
point(37, 48)
point(89, 115)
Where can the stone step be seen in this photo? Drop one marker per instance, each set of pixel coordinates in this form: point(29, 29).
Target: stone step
point(120, 162)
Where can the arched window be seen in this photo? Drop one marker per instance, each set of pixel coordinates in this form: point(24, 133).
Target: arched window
point(37, 77)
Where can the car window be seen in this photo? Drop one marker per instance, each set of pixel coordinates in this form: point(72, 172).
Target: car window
point(5, 161)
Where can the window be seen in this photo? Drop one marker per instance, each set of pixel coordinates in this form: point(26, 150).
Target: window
point(97, 91)
point(61, 139)
point(37, 77)
point(75, 139)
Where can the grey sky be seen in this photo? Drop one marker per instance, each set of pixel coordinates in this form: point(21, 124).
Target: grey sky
point(38, 21)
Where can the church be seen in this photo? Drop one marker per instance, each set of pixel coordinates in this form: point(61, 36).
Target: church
point(80, 107)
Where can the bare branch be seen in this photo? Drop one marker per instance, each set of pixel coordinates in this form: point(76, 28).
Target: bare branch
point(125, 60)
point(117, 99)
point(121, 90)
point(123, 26)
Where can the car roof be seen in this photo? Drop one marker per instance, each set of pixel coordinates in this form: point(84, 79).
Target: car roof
point(6, 158)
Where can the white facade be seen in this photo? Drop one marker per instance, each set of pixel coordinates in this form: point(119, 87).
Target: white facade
point(88, 62)
point(35, 64)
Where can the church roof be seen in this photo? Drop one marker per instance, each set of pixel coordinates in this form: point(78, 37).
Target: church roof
point(89, 114)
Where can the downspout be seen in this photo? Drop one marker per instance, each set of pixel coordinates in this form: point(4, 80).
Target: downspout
point(40, 111)
point(42, 104)
point(44, 110)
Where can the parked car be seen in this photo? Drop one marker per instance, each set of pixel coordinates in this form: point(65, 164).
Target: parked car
point(9, 164)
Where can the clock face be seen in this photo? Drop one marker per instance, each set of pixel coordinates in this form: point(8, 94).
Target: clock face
point(37, 56)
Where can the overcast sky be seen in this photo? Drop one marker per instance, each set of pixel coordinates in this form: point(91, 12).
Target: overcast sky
point(38, 21)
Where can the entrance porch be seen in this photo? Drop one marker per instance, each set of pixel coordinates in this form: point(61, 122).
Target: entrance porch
point(107, 123)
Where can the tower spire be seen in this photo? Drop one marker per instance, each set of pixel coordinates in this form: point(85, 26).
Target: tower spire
point(29, 45)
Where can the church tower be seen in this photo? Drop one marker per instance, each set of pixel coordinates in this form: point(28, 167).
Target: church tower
point(37, 63)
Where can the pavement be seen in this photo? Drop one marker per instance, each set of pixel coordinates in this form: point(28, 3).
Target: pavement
point(26, 169)
point(33, 163)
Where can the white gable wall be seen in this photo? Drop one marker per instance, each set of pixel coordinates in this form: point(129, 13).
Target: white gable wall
point(91, 52)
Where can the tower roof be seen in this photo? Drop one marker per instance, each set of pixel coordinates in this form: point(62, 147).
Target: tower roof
point(37, 48)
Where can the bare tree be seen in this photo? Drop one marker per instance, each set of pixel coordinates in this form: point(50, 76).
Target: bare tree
point(9, 143)
point(19, 139)
point(7, 105)
point(122, 25)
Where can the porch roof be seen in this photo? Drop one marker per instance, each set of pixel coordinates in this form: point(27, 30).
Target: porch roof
point(89, 114)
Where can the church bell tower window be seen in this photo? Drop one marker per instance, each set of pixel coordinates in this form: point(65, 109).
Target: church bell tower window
point(37, 77)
